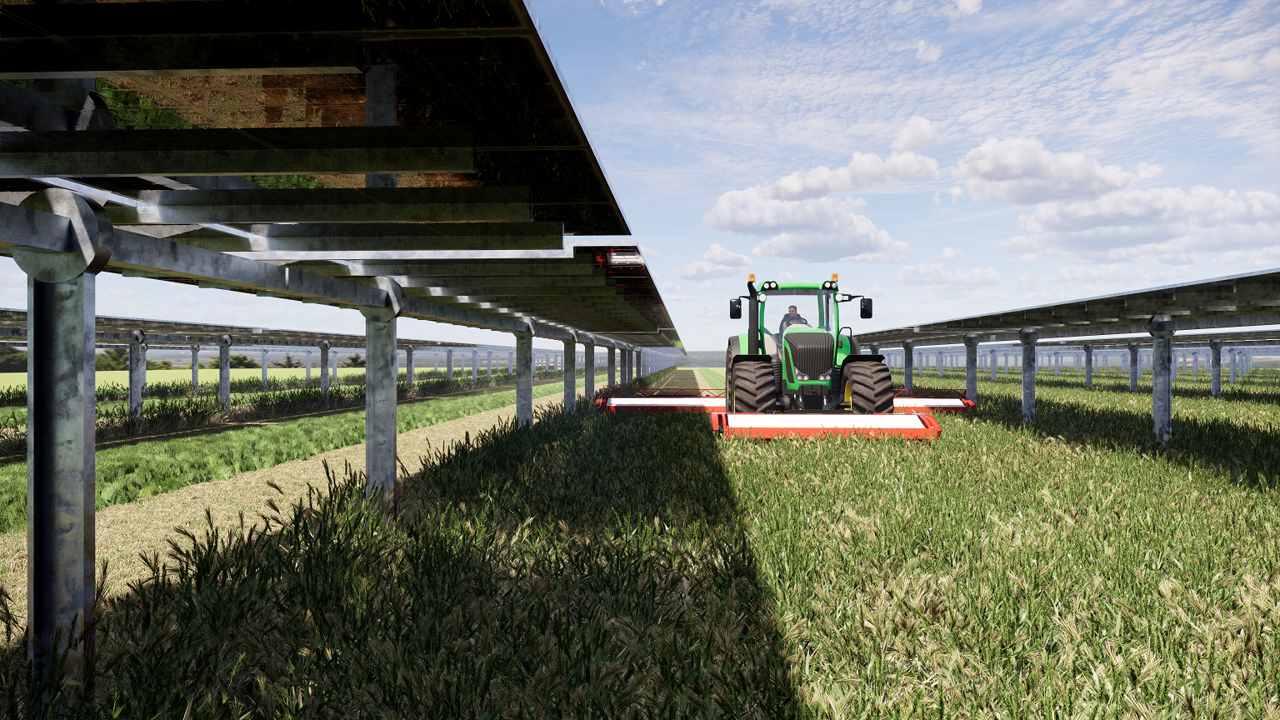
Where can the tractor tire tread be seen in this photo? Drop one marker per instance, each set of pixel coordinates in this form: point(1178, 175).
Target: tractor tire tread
point(751, 387)
point(871, 388)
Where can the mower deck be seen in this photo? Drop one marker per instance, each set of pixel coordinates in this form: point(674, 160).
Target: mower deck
point(773, 425)
point(712, 401)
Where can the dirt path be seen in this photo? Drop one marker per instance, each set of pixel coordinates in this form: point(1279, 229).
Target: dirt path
point(143, 526)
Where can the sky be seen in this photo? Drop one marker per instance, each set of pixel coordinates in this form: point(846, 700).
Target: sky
point(946, 158)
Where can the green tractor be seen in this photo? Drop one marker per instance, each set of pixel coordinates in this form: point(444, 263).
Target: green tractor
point(810, 364)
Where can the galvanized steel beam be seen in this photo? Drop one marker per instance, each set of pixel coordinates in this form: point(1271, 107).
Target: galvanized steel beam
point(242, 151)
point(374, 242)
point(442, 205)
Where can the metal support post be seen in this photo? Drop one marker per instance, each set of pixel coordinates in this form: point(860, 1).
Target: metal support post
point(264, 368)
point(1233, 353)
point(195, 368)
point(308, 366)
point(380, 401)
point(1173, 370)
point(448, 364)
point(324, 371)
point(56, 462)
point(1215, 368)
point(488, 364)
point(613, 366)
point(1195, 364)
point(589, 368)
point(224, 375)
point(137, 371)
point(473, 367)
point(908, 364)
point(1135, 367)
point(524, 379)
point(408, 365)
point(992, 362)
point(1028, 340)
point(939, 364)
point(570, 377)
point(1161, 379)
point(1088, 366)
point(971, 367)
point(1057, 363)
point(435, 363)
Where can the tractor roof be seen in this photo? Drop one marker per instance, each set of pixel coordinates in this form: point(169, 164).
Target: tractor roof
point(797, 288)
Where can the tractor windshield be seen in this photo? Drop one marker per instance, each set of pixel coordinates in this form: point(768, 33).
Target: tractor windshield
point(786, 309)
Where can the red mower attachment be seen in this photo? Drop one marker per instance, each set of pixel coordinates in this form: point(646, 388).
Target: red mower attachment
point(712, 401)
point(933, 401)
point(660, 400)
point(781, 425)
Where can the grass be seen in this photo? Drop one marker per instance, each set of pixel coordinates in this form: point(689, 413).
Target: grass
point(713, 377)
point(635, 565)
point(144, 469)
point(173, 408)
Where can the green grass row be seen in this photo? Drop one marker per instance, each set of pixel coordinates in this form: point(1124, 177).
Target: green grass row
point(127, 473)
point(712, 376)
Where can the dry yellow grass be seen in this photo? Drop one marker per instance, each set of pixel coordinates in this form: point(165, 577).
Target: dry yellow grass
point(143, 527)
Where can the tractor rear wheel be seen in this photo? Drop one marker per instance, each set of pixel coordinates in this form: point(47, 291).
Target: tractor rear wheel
point(750, 387)
point(869, 387)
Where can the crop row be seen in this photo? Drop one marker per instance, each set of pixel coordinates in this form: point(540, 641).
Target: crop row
point(16, 395)
point(171, 414)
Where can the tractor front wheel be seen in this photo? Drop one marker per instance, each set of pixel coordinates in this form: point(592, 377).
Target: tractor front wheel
point(868, 388)
point(750, 387)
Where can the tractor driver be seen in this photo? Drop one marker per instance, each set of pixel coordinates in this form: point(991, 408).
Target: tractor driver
point(791, 318)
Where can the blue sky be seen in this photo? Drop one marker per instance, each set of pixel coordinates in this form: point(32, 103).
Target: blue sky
point(946, 158)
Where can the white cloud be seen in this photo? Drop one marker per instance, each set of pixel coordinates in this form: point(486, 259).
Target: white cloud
point(863, 171)
point(935, 274)
point(949, 254)
point(1266, 257)
point(927, 51)
point(649, 252)
point(1163, 225)
point(786, 276)
point(916, 136)
point(968, 7)
point(810, 227)
point(876, 290)
point(900, 7)
point(859, 241)
point(716, 262)
point(711, 286)
point(1022, 171)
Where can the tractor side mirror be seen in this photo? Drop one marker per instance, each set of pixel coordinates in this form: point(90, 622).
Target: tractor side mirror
point(735, 309)
point(866, 308)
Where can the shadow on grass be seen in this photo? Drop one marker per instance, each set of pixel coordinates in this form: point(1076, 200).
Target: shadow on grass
point(591, 566)
point(1248, 454)
point(1254, 389)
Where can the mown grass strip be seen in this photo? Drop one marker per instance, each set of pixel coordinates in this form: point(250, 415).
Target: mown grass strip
point(713, 377)
point(150, 468)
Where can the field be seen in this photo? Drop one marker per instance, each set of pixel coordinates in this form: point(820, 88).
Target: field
point(615, 565)
point(210, 375)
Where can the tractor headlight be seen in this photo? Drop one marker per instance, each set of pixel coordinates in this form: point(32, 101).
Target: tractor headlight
point(802, 377)
point(825, 377)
